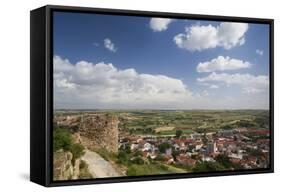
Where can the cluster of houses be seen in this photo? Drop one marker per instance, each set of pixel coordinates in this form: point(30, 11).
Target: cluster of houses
point(238, 144)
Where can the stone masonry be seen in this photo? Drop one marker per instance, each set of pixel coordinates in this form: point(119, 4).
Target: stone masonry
point(94, 131)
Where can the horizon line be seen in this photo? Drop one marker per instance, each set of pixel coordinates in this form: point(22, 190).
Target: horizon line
point(92, 109)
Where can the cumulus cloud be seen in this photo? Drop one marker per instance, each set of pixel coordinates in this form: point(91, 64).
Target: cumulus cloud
point(259, 52)
point(86, 85)
point(249, 83)
point(213, 86)
point(103, 85)
point(222, 63)
point(159, 24)
point(205, 93)
point(200, 37)
point(108, 44)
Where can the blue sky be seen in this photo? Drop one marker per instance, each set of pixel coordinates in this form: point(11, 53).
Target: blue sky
point(153, 50)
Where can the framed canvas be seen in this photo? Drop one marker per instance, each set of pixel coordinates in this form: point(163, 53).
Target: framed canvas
point(122, 95)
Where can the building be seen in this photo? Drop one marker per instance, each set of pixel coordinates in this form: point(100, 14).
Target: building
point(211, 147)
point(147, 147)
point(168, 151)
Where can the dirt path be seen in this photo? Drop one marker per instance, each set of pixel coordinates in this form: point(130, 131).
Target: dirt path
point(98, 166)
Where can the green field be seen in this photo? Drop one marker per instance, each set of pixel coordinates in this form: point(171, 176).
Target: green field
point(147, 122)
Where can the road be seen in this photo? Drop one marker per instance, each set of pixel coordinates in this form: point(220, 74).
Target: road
point(98, 166)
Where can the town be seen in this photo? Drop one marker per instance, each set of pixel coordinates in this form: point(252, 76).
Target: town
point(171, 142)
point(238, 145)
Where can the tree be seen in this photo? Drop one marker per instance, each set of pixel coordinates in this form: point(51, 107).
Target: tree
point(254, 152)
point(178, 133)
point(224, 161)
point(127, 149)
point(163, 146)
point(175, 154)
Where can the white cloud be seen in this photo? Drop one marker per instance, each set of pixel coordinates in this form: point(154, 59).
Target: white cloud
point(249, 83)
point(222, 64)
point(214, 87)
point(61, 65)
point(251, 90)
point(159, 24)
point(205, 93)
point(200, 37)
point(103, 85)
point(86, 85)
point(108, 44)
point(259, 52)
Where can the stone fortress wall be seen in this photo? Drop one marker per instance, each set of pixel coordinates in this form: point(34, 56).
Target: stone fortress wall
point(94, 131)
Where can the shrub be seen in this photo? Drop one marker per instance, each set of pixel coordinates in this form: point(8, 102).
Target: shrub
point(122, 157)
point(84, 171)
point(159, 158)
point(77, 150)
point(61, 139)
point(138, 160)
point(107, 155)
point(207, 167)
point(83, 165)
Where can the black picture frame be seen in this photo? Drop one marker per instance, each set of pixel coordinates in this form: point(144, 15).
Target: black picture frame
point(41, 99)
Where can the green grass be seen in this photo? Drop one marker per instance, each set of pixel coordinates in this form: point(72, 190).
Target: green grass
point(152, 169)
point(108, 156)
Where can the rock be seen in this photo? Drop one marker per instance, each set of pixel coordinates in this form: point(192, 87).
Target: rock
point(63, 169)
point(76, 169)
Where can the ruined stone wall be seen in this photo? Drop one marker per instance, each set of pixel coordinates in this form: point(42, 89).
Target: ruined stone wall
point(94, 131)
point(99, 131)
